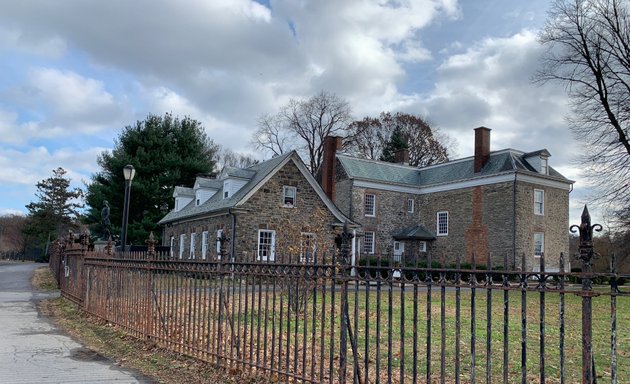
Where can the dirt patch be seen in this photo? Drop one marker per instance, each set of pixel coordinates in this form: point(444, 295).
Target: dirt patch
point(102, 340)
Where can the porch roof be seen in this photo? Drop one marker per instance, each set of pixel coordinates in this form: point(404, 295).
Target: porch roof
point(417, 232)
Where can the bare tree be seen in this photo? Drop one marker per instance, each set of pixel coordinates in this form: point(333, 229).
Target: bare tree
point(370, 137)
point(303, 125)
point(12, 239)
point(588, 50)
point(227, 157)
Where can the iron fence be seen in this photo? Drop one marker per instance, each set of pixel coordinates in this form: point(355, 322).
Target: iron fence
point(328, 321)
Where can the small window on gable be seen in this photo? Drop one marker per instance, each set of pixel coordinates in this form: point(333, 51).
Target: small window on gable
point(544, 168)
point(288, 196)
point(370, 205)
point(198, 202)
point(442, 223)
point(539, 202)
point(410, 205)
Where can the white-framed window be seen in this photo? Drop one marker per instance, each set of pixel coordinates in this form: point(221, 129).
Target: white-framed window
point(219, 236)
point(442, 223)
point(171, 246)
point(544, 168)
point(539, 202)
point(288, 196)
point(539, 244)
point(422, 246)
point(193, 239)
point(399, 249)
point(368, 243)
point(182, 245)
point(370, 205)
point(204, 244)
point(307, 247)
point(410, 205)
point(266, 245)
point(226, 189)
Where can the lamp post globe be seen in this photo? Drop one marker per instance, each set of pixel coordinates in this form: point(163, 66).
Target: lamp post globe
point(128, 173)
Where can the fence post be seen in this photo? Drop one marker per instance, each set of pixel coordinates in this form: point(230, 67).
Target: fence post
point(585, 254)
point(148, 333)
point(344, 269)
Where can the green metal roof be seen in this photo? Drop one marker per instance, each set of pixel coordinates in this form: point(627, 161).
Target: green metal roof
point(508, 160)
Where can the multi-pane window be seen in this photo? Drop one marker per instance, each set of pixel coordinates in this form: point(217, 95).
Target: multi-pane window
point(442, 223)
point(370, 205)
point(220, 239)
point(368, 243)
point(193, 238)
point(288, 196)
point(410, 205)
point(543, 166)
point(539, 244)
point(266, 245)
point(307, 247)
point(539, 201)
point(204, 244)
point(182, 239)
point(422, 246)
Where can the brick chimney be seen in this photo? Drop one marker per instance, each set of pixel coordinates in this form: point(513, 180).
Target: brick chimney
point(329, 164)
point(401, 156)
point(482, 147)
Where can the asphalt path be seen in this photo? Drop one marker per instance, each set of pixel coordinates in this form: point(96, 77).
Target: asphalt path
point(33, 350)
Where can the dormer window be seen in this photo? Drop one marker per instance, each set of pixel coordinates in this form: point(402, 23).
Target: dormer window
point(288, 196)
point(198, 202)
point(543, 166)
point(226, 189)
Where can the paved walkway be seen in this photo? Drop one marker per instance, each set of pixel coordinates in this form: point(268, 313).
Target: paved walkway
point(32, 350)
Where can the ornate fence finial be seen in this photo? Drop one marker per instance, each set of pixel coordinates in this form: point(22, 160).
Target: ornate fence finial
point(586, 237)
point(85, 239)
point(109, 246)
point(151, 244)
point(344, 242)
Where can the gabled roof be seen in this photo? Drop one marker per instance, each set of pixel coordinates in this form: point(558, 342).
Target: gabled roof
point(257, 176)
point(183, 191)
point(239, 173)
point(208, 183)
point(500, 162)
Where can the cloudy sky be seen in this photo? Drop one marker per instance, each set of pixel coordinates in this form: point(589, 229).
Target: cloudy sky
point(73, 73)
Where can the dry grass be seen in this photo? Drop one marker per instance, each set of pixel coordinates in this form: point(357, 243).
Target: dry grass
point(126, 351)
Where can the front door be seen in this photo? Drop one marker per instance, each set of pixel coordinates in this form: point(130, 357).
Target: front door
point(399, 249)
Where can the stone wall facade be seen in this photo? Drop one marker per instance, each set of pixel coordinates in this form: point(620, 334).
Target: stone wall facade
point(495, 221)
point(264, 210)
point(554, 224)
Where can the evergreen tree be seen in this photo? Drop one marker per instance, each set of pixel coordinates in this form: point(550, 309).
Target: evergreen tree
point(166, 152)
point(396, 143)
point(56, 210)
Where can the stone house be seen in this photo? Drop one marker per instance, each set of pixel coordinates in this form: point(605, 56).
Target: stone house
point(498, 204)
point(274, 211)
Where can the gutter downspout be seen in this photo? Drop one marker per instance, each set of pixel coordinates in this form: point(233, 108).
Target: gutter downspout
point(233, 234)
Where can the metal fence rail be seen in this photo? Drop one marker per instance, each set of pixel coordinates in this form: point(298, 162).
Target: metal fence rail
point(330, 322)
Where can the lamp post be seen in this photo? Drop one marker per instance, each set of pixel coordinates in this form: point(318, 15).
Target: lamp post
point(128, 172)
